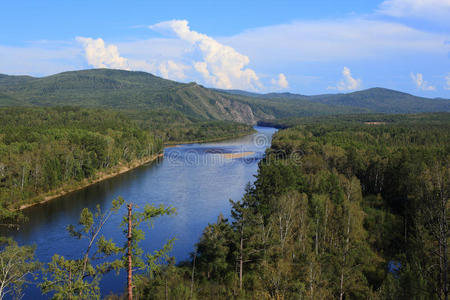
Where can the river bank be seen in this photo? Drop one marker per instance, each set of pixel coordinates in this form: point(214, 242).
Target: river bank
point(115, 171)
point(200, 192)
point(220, 139)
point(100, 176)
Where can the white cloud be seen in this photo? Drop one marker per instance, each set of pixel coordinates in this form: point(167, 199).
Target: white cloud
point(155, 48)
point(433, 10)
point(335, 40)
point(420, 83)
point(314, 46)
point(100, 55)
point(281, 81)
point(347, 83)
point(447, 79)
point(221, 65)
point(172, 70)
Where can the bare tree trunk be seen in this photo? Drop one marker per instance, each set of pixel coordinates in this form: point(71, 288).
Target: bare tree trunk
point(444, 235)
point(311, 281)
point(130, 267)
point(317, 237)
point(347, 241)
point(325, 221)
point(23, 178)
point(341, 293)
point(193, 273)
point(241, 258)
point(91, 243)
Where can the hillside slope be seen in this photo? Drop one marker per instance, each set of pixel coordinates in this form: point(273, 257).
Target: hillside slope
point(375, 99)
point(121, 90)
point(142, 91)
point(130, 90)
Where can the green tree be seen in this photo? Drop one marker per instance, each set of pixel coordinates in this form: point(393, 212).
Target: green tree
point(134, 258)
point(80, 278)
point(17, 264)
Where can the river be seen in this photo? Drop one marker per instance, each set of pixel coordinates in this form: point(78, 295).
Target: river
point(196, 179)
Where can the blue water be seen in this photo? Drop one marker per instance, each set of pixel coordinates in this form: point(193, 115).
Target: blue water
point(196, 179)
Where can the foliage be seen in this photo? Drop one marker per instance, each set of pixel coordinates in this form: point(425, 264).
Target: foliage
point(142, 91)
point(148, 262)
point(133, 258)
point(80, 278)
point(43, 149)
point(340, 209)
point(352, 120)
point(46, 149)
point(17, 265)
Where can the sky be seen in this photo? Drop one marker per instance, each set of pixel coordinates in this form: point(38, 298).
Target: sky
point(306, 47)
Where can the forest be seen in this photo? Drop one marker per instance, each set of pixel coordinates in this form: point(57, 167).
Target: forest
point(339, 210)
point(120, 89)
point(46, 149)
point(350, 207)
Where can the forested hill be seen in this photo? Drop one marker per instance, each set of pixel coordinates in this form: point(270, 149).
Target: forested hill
point(121, 90)
point(142, 91)
point(139, 90)
point(375, 99)
point(368, 119)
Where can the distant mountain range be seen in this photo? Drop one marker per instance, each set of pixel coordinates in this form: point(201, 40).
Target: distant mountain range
point(131, 90)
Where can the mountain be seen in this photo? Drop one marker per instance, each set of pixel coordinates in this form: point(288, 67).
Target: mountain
point(121, 90)
point(130, 90)
point(374, 99)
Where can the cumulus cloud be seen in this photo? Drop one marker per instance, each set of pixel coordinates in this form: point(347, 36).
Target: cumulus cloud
point(221, 65)
point(311, 45)
point(447, 82)
point(281, 81)
point(172, 70)
point(434, 10)
point(348, 83)
point(100, 55)
point(420, 83)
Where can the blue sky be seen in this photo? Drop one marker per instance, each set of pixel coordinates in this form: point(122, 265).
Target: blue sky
point(306, 47)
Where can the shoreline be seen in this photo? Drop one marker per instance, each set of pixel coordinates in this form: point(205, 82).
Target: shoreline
point(117, 170)
point(176, 143)
point(237, 155)
point(101, 176)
